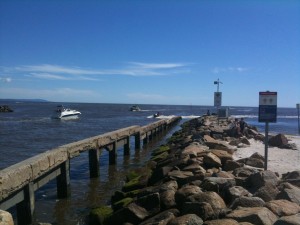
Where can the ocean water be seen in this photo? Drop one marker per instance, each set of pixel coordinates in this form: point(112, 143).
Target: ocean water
point(29, 130)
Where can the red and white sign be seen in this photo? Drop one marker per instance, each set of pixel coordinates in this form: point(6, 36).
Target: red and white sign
point(267, 111)
point(267, 98)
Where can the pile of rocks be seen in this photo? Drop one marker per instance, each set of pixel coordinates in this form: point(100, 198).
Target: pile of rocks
point(5, 108)
point(193, 179)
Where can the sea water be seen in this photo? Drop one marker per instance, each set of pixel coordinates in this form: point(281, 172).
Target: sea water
point(29, 130)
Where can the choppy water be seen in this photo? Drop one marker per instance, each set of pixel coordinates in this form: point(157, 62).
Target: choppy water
point(29, 130)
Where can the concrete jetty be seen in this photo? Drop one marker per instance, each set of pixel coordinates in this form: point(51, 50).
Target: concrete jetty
point(19, 182)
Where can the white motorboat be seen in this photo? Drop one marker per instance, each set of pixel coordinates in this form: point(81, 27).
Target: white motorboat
point(62, 112)
point(135, 108)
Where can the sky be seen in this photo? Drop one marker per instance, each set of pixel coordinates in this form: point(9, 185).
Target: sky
point(150, 51)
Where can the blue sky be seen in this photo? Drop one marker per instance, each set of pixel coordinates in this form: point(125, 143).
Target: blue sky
point(150, 52)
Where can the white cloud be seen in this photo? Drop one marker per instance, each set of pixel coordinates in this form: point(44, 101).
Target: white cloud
point(48, 76)
point(48, 71)
point(218, 70)
point(5, 79)
point(157, 65)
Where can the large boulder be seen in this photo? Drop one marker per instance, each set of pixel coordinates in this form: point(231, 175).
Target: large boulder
point(184, 192)
point(188, 219)
point(221, 222)
point(283, 207)
point(245, 201)
point(217, 144)
point(194, 149)
point(133, 213)
point(255, 215)
point(289, 220)
point(267, 192)
point(235, 192)
point(216, 202)
point(278, 141)
point(289, 192)
point(257, 180)
point(201, 209)
point(211, 160)
point(162, 218)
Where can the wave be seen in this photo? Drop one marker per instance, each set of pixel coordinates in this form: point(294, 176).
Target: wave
point(256, 116)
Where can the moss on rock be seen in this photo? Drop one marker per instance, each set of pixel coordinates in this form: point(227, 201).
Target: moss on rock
point(161, 149)
point(122, 203)
point(100, 215)
point(160, 156)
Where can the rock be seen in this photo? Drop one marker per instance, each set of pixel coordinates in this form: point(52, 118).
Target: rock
point(132, 213)
point(245, 201)
point(167, 199)
point(169, 185)
point(267, 192)
point(255, 160)
point(159, 174)
point(194, 149)
point(278, 141)
point(257, 180)
point(223, 155)
point(211, 160)
point(184, 192)
point(289, 192)
point(221, 222)
point(162, 218)
point(234, 192)
point(5, 108)
point(6, 218)
point(217, 184)
point(244, 171)
point(283, 207)
point(201, 209)
point(222, 145)
point(292, 177)
point(289, 220)
point(99, 216)
point(255, 215)
point(194, 168)
point(231, 165)
point(150, 202)
point(182, 177)
point(216, 202)
point(188, 219)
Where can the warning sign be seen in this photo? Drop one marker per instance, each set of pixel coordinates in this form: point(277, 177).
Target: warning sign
point(267, 107)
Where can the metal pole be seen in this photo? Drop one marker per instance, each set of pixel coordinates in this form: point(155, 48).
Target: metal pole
point(298, 106)
point(266, 144)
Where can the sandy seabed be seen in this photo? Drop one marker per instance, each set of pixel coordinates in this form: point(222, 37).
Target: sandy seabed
point(279, 160)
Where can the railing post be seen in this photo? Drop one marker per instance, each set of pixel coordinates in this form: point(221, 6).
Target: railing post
point(146, 139)
point(63, 180)
point(113, 154)
point(137, 140)
point(127, 146)
point(25, 209)
point(94, 162)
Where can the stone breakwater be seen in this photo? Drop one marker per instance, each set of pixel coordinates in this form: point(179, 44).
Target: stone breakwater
point(193, 180)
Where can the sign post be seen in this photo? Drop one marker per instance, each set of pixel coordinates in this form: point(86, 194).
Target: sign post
point(267, 113)
point(298, 107)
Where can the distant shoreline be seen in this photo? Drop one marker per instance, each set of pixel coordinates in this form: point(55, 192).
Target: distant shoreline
point(23, 100)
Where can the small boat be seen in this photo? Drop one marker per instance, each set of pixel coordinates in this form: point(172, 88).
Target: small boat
point(62, 112)
point(135, 108)
point(156, 114)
